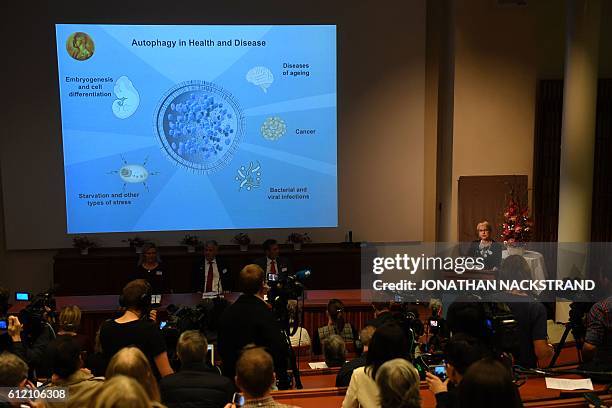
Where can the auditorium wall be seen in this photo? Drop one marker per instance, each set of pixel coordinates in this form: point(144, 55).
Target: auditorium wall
point(500, 53)
point(381, 118)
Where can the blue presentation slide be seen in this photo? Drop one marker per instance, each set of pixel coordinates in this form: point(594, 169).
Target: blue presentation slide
point(179, 127)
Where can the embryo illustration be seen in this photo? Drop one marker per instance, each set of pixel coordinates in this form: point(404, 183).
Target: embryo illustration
point(127, 100)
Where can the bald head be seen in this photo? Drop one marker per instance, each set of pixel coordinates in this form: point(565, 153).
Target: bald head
point(255, 372)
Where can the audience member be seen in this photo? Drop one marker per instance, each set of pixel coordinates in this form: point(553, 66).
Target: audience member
point(13, 371)
point(134, 328)
point(150, 268)
point(488, 382)
point(210, 274)
point(485, 247)
point(344, 375)
point(249, 321)
point(301, 336)
point(534, 350)
point(388, 343)
point(197, 384)
point(467, 317)
point(131, 362)
point(255, 379)
point(460, 352)
point(597, 348)
point(120, 392)
point(14, 374)
point(67, 369)
point(398, 382)
point(69, 324)
point(382, 314)
point(336, 324)
point(5, 338)
point(96, 362)
point(334, 351)
point(30, 340)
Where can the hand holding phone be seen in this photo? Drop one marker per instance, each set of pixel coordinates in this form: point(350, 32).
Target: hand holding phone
point(238, 400)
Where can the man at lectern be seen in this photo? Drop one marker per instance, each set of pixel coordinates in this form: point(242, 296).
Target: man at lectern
point(211, 274)
point(272, 263)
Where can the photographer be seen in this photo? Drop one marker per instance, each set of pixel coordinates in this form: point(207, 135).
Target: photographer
point(249, 321)
point(30, 341)
point(597, 348)
point(5, 339)
point(534, 350)
point(461, 352)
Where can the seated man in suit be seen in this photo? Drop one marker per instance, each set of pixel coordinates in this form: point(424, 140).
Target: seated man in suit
point(249, 321)
point(273, 263)
point(198, 383)
point(210, 274)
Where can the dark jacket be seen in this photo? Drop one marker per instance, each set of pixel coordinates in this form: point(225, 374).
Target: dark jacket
point(196, 385)
point(492, 259)
point(346, 372)
point(449, 399)
point(283, 267)
point(199, 272)
point(248, 321)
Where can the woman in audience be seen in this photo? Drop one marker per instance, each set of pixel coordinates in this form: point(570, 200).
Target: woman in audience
point(301, 337)
point(336, 324)
point(488, 383)
point(485, 247)
point(388, 343)
point(69, 324)
point(133, 328)
point(150, 268)
point(121, 392)
point(398, 382)
point(131, 362)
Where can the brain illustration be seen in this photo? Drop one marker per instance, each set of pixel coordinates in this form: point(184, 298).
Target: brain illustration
point(261, 77)
point(199, 126)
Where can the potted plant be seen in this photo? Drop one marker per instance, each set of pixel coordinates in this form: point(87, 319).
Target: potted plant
point(136, 243)
point(83, 244)
point(517, 226)
point(298, 239)
point(243, 240)
point(191, 242)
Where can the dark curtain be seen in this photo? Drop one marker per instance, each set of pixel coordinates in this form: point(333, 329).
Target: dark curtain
point(601, 226)
point(483, 198)
point(546, 159)
point(547, 153)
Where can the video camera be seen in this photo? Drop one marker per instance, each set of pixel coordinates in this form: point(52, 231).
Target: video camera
point(203, 317)
point(40, 311)
point(281, 291)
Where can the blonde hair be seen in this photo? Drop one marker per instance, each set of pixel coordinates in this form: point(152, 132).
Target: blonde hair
point(398, 382)
point(70, 318)
point(121, 392)
point(485, 224)
point(131, 362)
